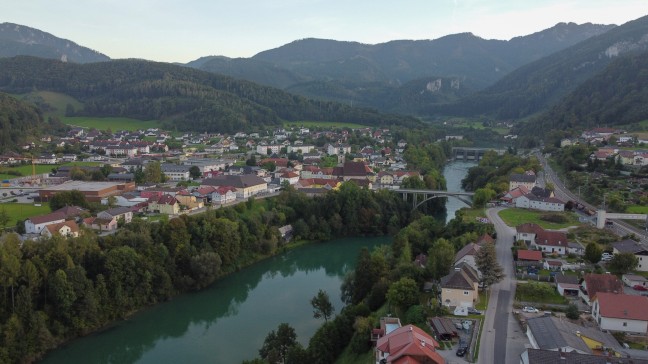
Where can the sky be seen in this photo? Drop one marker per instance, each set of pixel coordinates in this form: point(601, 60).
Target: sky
point(184, 30)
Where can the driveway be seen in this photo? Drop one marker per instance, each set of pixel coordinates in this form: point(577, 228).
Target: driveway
point(502, 340)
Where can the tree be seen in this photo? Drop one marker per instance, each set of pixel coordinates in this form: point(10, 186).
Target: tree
point(68, 198)
point(440, 258)
point(4, 218)
point(403, 293)
point(572, 312)
point(593, 252)
point(153, 173)
point(194, 172)
point(623, 263)
point(486, 261)
point(322, 306)
point(482, 196)
point(277, 344)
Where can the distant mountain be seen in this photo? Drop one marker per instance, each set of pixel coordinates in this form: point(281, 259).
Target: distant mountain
point(536, 86)
point(188, 99)
point(478, 62)
point(334, 70)
point(18, 40)
point(617, 95)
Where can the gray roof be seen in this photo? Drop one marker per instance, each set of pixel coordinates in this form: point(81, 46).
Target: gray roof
point(516, 177)
point(552, 333)
point(459, 278)
point(239, 181)
point(562, 278)
point(538, 356)
point(628, 246)
point(167, 167)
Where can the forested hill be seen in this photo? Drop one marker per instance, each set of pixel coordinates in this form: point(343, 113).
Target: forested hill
point(535, 87)
point(19, 122)
point(18, 39)
point(618, 95)
point(189, 99)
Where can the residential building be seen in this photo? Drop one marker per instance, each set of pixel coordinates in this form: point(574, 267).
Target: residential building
point(100, 224)
point(567, 285)
point(338, 149)
point(531, 201)
point(527, 232)
point(36, 224)
point(117, 213)
point(551, 242)
point(268, 149)
point(514, 194)
point(189, 200)
point(527, 180)
point(164, 204)
point(223, 195)
point(467, 255)
point(552, 333)
point(594, 283)
point(621, 312)
point(539, 356)
point(176, 172)
point(529, 255)
point(460, 287)
point(246, 185)
point(290, 177)
point(64, 229)
point(407, 344)
point(631, 246)
point(632, 280)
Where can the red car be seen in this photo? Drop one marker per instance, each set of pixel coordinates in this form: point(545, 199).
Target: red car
point(640, 288)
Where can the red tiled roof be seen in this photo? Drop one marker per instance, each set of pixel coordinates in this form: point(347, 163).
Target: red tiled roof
point(47, 218)
point(409, 344)
point(602, 283)
point(485, 239)
point(534, 255)
point(529, 228)
point(551, 238)
point(623, 306)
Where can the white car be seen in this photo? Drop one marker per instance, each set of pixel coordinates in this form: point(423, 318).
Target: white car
point(606, 256)
point(530, 309)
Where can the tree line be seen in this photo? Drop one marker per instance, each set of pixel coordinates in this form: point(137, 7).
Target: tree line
point(56, 289)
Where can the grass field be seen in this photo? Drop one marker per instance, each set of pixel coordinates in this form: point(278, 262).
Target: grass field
point(323, 124)
point(637, 209)
point(471, 215)
point(83, 164)
point(514, 217)
point(538, 292)
point(113, 124)
point(26, 170)
point(21, 211)
point(56, 100)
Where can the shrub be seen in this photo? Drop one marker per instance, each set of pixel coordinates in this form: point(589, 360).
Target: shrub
point(554, 217)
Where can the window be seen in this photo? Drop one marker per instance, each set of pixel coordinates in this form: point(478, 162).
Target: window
point(466, 293)
point(625, 324)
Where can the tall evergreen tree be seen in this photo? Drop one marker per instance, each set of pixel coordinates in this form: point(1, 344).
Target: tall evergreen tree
point(486, 261)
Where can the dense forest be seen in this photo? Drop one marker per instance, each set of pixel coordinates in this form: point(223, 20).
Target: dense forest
point(56, 289)
point(21, 122)
point(189, 99)
point(493, 171)
point(616, 96)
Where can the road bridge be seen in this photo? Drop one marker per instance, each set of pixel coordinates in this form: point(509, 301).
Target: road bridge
point(602, 216)
point(430, 194)
point(475, 154)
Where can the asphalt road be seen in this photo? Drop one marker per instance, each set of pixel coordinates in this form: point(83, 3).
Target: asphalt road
point(498, 343)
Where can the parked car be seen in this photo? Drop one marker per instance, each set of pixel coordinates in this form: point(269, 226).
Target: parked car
point(462, 351)
point(637, 287)
point(530, 309)
point(606, 256)
point(473, 311)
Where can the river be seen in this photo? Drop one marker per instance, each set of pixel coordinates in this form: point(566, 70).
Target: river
point(227, 322)
point(454, 172)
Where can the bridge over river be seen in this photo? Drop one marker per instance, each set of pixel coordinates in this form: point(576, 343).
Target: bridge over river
point(430, 194)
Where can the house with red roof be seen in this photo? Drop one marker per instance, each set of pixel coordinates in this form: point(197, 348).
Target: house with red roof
point(36, 224)
point(484, 239)
point(515, 193)
point(529, 255)
point(97, 223)
point(527, 232)
point(593, 284)
point(408, 344)
point(290, 177)
point(165, 204)
point(621, 312)
point(551, 242)
point(64, 229)
point(223, 195)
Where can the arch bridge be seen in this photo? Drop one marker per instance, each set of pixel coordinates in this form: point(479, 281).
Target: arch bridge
point(427, 195)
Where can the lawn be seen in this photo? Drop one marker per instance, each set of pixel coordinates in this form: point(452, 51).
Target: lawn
point(323, 124)
point(21, 211)
point(113, 124)
point(538, 292)
point(471, 215)
point(57, 101)
point(26, 170)
point(483, 301)
point(637, 209)
point(82, 164)
point(514, 217)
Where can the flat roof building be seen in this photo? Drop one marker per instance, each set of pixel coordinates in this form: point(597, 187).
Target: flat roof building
point(93, 191)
